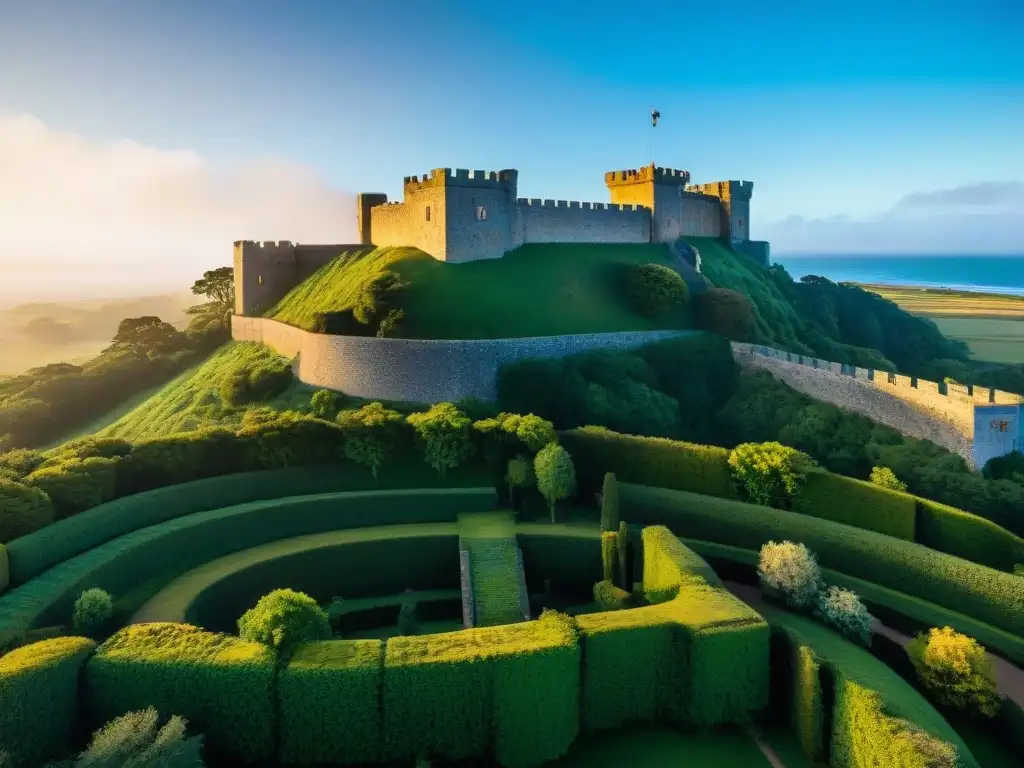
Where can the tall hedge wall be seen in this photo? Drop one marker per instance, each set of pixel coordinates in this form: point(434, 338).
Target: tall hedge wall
point(446, 694)
point(5, 569)
point(971, 537)
point(222, 685)
point(647, 461)
point(329, 703)
point(857, 503)
point(198, 538)
point(39, 697)
point(975, 590)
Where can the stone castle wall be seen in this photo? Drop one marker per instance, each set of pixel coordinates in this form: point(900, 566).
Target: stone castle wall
point(418, 370)
point(570, 221)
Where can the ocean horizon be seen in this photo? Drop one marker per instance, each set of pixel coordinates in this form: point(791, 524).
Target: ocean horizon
point(988, 274)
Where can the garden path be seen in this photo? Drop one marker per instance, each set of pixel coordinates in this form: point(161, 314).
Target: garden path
point(490, 539)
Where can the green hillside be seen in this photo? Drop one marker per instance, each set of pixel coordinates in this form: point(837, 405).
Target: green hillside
point(536, 290)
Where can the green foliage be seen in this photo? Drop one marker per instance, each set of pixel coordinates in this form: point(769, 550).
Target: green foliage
point(218, 285)
point(133, 740)
point(968, 536)
point(372, 434)
point(222, 685)
point(21, 461)
point(93, 610)
point(556, 475)
point(329, 703)
point(670, 566)
point(842, 609)
point(769, 473)
point(977, 591)
point(324, 404)
point(263, 381)
point(23, 509)
point(284, 618)
point(519, 475)
point(509, 435)
point(886, 478)
point(391, 324)
point(610, 556)
point(459, 695)
point(792, 571)
point(955, 671)
point(407, 623)
point(1010, 466)
point(857, 503)
point(5, 570)
point(376, 298)
point(74, 484)
point(654, 289)
point(609, 503)
point(611, 597)
point(39, 689)
point(648, 461)
point(727, 313)
point(622, 550)
point(443, 434)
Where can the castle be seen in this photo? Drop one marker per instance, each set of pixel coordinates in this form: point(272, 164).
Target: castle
point(458, 216)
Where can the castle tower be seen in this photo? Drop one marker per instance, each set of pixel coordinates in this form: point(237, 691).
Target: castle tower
point(735, 197)
point(675, 211)
point(364, 202)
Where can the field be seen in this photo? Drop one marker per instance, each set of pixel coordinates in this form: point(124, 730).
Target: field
point(992, 325)
point(536, 290)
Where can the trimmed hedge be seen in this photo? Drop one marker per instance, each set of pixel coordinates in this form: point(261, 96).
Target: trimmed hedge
point(796, 696)
point(39, 691)
point(453, 695)
point(329, 703)
point(198, 538)
point(648, 461)
point(222, 685)
point(971, 537)
point(32, 554)
point(976, 590)
point(699, 657)
point(857, 503)
point(5, 568)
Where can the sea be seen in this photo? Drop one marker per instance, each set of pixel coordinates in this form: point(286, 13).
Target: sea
point(986, 274)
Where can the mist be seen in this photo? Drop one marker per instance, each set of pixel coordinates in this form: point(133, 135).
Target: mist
point(83, 220)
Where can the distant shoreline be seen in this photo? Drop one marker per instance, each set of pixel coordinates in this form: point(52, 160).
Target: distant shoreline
point(927, 290)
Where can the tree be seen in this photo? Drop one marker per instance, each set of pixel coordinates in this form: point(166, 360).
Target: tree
point(886, 478)
point(444, 436)
point(93, 610)
point(46, 330)
point(622, 550)
point(218, 285)
point(147, 336)
point(727, 313)
point(609, 503)
point(653, 289)
point(323, 404)
point(556, 476)
point(955, 670)
point(769, 473)
point(284, 618)
point(371, 434)
point(518, 476)
point(133, 740)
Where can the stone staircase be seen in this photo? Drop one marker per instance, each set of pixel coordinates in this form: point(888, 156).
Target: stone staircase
point(491, 566)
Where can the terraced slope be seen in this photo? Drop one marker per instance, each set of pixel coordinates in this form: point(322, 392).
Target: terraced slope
point(490, 539)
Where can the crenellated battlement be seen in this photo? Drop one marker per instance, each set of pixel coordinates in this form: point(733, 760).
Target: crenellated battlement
point(264, 245)
point(648, 173)
point(725, 190)
point(461, 177)
point(536, 202)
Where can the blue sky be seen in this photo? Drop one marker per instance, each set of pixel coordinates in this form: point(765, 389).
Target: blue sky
point(835, 113)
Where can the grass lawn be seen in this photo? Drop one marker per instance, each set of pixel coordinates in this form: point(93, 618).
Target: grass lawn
point(536, 290)
point(654, 746)
point(899, 697)
point(991, 339)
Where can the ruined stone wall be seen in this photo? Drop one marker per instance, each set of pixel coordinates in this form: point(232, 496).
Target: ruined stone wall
point(570, 221)
point(417, 370)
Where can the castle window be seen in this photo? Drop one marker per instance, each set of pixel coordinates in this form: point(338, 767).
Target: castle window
point(739, 222)
point(428, 213)
point(481, 213)
point(260, 280)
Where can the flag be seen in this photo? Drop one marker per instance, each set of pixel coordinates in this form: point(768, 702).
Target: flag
point(655, 114)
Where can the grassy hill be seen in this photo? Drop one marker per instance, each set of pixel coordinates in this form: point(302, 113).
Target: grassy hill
point(536, 290)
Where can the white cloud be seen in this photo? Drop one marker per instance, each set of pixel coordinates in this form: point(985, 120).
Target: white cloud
point(81, 219)
point(967, 220)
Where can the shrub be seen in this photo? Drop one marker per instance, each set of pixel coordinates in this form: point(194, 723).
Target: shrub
point(21, 461)
point(93, 610)
point(769, 473)
point(222, 685)
point(648, 461)
point(391, 323)
point(23, 509)
point(508, 433)
point(323, 404)
point(725, 312)
point(792, 570)
point(39, 690)
point(74, 485)
point(263, 381)
point(611, 597)
point(955, 670)
point(443, 434)
point(556, 476)
point(653, 289)
point(376, 296)
point(284, 618)
point(519, 475)
point(609, 503)
point(610, 556)
point(842, 609)
point(886, 478)
point(372, 434)
point(134, 740)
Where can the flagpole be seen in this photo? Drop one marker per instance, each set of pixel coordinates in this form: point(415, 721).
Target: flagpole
point(650, 139)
